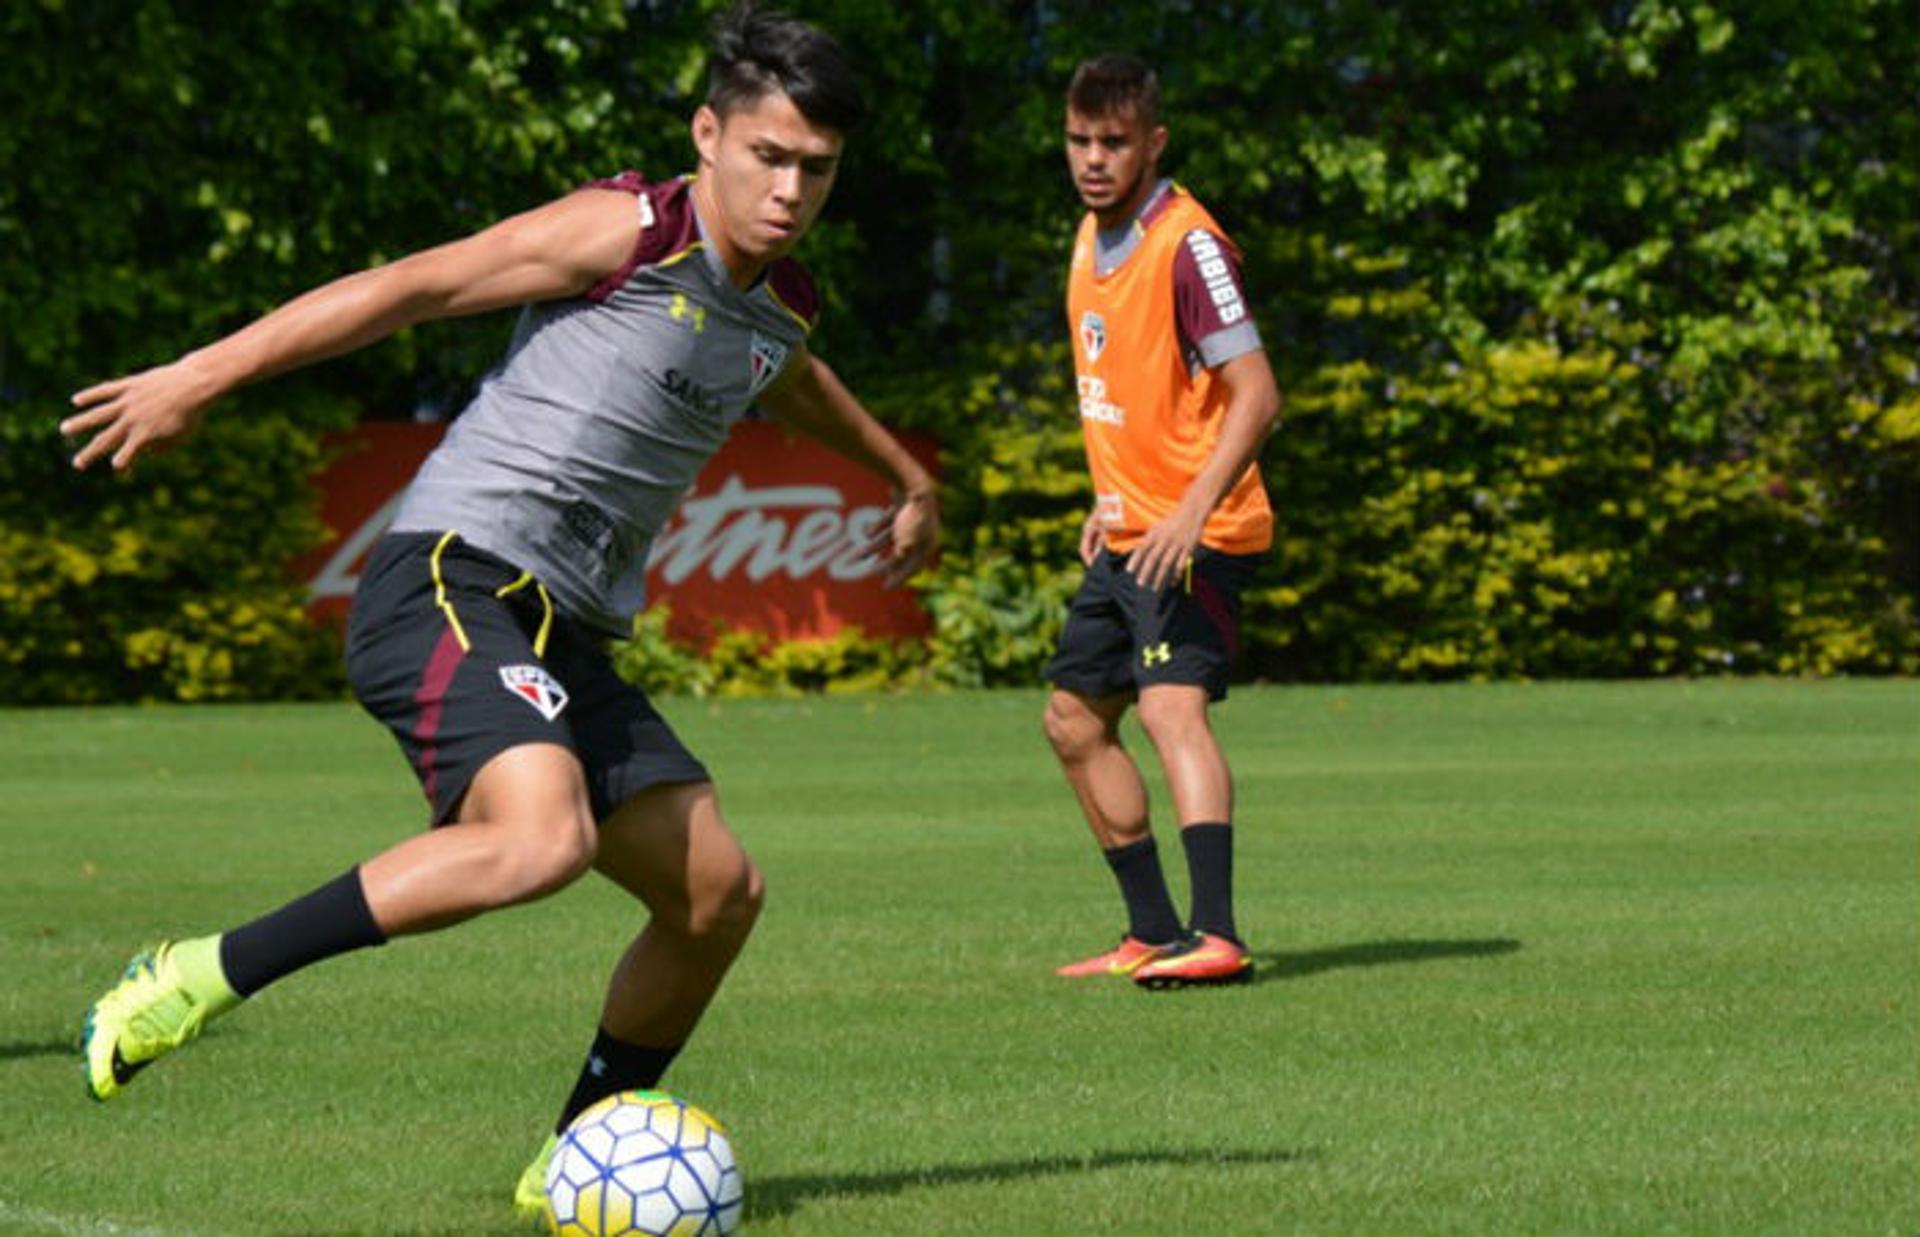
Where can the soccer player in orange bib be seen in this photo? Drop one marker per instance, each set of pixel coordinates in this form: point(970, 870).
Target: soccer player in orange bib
point(1176, 397)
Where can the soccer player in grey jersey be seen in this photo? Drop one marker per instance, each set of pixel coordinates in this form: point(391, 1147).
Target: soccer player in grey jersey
point(656, 315)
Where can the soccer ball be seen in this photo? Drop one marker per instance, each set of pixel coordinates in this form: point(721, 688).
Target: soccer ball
point(643, 1164)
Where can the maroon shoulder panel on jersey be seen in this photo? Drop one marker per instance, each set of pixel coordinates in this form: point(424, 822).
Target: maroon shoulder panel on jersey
point(666, 225)
point(793, 287)
point(1207, 292)
point(1158, 204)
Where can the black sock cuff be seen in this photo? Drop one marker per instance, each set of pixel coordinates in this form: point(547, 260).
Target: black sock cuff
point(614, 1065)
point(1207, 841)
point(356, 913)
point(637, 1066)
point(1209, 847)
point(333, 919)
point(1119, 857)
point(1150, 914)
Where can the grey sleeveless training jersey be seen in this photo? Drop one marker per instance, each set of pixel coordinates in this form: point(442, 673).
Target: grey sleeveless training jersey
point(577, 448)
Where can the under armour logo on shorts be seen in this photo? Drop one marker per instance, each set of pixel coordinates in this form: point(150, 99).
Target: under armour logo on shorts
point(535, 686)
point(1156, 654)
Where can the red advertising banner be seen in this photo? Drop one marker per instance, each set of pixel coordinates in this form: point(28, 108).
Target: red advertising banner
point(770, 539)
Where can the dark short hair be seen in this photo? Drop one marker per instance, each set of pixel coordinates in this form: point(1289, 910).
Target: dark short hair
point(1111, 84)
point(758, 51)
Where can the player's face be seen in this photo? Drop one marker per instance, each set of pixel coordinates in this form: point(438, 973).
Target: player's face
point(1114, 160)
point(766, 170)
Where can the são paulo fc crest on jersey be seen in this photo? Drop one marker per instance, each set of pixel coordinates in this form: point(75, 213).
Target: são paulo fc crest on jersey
point(535, 686)
point(1093, 335)
point(767, 358)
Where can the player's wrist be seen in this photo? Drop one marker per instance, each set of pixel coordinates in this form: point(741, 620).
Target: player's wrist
point(204, 377)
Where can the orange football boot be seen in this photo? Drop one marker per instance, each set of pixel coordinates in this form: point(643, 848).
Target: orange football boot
point(1123, 959)
point(1201, 960)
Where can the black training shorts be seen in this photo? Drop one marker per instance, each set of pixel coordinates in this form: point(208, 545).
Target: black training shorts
point(1121, 637)
point(462, 655)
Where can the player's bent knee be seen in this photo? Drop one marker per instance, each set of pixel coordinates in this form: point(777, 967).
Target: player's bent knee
point(545, 857)
point(726, 907)
point(1173, 719)
point(1072, 728)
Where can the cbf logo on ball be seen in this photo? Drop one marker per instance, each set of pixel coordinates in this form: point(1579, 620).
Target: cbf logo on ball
point(1093, 335)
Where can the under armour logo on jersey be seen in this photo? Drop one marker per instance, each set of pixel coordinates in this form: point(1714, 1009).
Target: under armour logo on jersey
point(684, 310)
point(1156, 654)
point(535, 686)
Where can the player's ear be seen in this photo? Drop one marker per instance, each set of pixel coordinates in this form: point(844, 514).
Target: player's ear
point(1157, 142)
point(706, 133)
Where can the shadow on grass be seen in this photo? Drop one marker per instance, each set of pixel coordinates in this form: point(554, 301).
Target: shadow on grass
point(1275, 967)
point(771, 1197)
point(778, 1196)
point(21, 1050)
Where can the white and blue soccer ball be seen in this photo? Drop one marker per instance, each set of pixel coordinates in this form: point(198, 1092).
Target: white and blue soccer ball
point(644, 1164)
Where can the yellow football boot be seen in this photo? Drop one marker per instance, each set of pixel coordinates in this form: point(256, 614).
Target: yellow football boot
point(168, 993)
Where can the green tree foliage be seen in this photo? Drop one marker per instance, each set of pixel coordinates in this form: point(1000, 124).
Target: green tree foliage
point(1598, 321)
point(1600, 329)
point(169, 171)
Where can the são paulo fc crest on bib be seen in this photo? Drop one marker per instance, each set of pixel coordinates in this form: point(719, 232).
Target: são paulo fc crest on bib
point(1093, 335)
point(535, 686)
point(767, 358)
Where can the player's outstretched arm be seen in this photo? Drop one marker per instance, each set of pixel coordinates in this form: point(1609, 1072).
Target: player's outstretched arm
point(1253, 407)
point(810, 397)
point(560, 249)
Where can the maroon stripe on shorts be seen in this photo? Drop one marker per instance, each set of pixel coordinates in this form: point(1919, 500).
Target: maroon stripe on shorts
point(446, 658)
point(1214, 605)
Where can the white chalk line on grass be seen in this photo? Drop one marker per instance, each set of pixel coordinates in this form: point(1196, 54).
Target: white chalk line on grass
point(37, 1220)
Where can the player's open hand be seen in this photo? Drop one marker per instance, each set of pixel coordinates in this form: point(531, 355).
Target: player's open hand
point(148, 411)
point(1163, 555)
point(910, 535)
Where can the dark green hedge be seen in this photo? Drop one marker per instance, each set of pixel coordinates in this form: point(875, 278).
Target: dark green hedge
point(1599, 324)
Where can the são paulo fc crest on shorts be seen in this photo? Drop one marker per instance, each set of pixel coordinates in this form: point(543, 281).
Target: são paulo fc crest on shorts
point(1093, 335)
point(535, 686)
point(768, 357)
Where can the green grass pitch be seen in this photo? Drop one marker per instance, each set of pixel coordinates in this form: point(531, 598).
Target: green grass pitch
point(1633, 958)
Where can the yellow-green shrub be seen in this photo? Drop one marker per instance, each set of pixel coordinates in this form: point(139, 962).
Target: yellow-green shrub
point(171, 586)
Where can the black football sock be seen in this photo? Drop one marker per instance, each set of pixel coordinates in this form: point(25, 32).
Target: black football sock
point(1210, 870)
point(333, 919)
point(1150, 915)
point(613, 1066)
